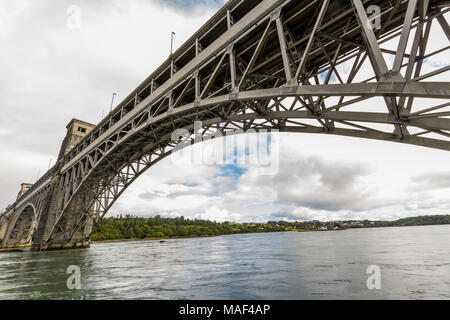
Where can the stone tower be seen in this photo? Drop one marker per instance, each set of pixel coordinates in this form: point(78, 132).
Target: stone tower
point(23, 188)
point(76, 131)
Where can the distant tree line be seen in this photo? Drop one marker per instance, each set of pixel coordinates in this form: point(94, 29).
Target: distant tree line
point(132, 227)
point(416, 221)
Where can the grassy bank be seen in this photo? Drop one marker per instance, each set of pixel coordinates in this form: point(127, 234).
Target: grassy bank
point(130, 228)
point(152, 238)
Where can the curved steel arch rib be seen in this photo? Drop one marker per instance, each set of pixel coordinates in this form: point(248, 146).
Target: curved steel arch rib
point(122, 172)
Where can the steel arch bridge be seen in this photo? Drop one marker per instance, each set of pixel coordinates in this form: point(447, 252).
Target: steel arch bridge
point(345, 67)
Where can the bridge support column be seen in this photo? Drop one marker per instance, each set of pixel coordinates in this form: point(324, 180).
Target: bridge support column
point(47, 217)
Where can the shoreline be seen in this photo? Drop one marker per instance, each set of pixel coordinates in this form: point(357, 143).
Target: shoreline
point(14, 250)
point(163, 238)
point(227, 234)
point(192, 237)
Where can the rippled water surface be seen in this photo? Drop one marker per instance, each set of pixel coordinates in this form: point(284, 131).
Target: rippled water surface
point(414, 262)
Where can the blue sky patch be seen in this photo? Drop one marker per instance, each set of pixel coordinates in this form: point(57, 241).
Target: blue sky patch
point(188, 6)
point(231, 170)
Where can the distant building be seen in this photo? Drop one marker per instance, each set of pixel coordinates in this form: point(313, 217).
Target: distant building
point(76, 131)
point(357, 224)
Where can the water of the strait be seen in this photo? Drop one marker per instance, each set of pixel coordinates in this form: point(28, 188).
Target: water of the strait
point(414, 264)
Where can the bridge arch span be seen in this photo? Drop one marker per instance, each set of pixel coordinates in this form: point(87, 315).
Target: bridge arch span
point(123, 164)
point(22, 227)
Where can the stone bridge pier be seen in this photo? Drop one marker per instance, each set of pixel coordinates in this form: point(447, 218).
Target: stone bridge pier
point(55, 231)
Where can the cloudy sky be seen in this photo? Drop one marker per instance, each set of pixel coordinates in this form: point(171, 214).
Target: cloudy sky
point(53, 71)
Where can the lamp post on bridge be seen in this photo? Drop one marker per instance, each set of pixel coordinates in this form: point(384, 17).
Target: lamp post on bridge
point(112, 100)
point(171, 42)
